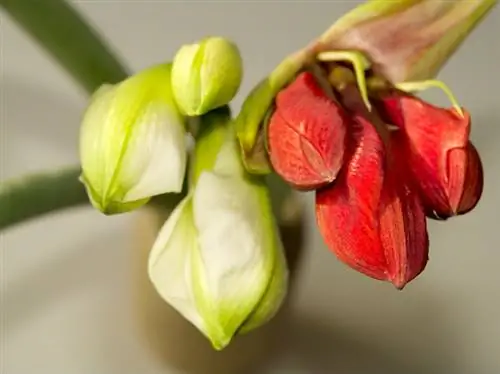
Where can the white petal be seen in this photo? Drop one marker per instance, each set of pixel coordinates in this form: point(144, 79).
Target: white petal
point(155, 159)
point(169, 265)
point(235, 248)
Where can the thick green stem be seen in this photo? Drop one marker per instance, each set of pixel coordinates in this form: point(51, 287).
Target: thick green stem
point(71, 41)
point(31, 196)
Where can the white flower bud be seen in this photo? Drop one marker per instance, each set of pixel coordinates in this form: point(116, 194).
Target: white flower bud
point(219, 260)
point(132, 142)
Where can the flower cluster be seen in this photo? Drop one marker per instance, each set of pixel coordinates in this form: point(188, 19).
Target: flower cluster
point(378, 171)
point(332, 118)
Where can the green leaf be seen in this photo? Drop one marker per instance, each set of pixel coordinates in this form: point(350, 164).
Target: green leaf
point(33, 195)
point(30, 196)
point(73, 42)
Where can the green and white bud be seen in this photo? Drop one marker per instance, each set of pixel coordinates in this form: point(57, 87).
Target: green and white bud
point(206, 75)
point(132, 142)
point(219, 260)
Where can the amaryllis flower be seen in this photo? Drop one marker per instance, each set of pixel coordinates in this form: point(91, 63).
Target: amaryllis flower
point(402, 159)
point(371, 218)
point(445, 164)
point(306, 134)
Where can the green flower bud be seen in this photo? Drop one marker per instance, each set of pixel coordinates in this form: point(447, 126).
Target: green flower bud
point(206, 75)
point(132, 142)
point(219, 260)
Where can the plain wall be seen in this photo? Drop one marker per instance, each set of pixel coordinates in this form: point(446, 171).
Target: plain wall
point(66, 278)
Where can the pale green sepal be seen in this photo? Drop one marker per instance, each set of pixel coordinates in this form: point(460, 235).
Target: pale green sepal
point(206, 75)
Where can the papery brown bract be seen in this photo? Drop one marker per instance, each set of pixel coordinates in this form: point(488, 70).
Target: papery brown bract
point(370, 217)
point(445, 165)
point(306, 134)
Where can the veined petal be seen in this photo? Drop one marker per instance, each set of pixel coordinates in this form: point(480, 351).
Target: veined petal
point(306, 134)
point(169, 265)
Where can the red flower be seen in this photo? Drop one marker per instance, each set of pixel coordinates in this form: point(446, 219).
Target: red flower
point(370, 217)
point(445, 164)
point(306, 134)
point(375, 184)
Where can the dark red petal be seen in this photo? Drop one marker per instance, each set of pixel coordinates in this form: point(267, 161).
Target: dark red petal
point(306, 134)
point(347, 211)
point(403, 228)
point(431, 134)
point(465, 184)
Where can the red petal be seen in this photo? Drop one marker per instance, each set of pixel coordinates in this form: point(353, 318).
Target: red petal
point(347, 211)
point(403, 229)
point(306, 134)
point(432, 133)
point(466, 186)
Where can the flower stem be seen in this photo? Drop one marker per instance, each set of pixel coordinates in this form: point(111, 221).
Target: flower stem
point(30, 196)
point(66, 35)
point(34, 195)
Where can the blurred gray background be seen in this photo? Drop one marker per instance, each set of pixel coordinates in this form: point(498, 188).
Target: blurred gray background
point(69, 281)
